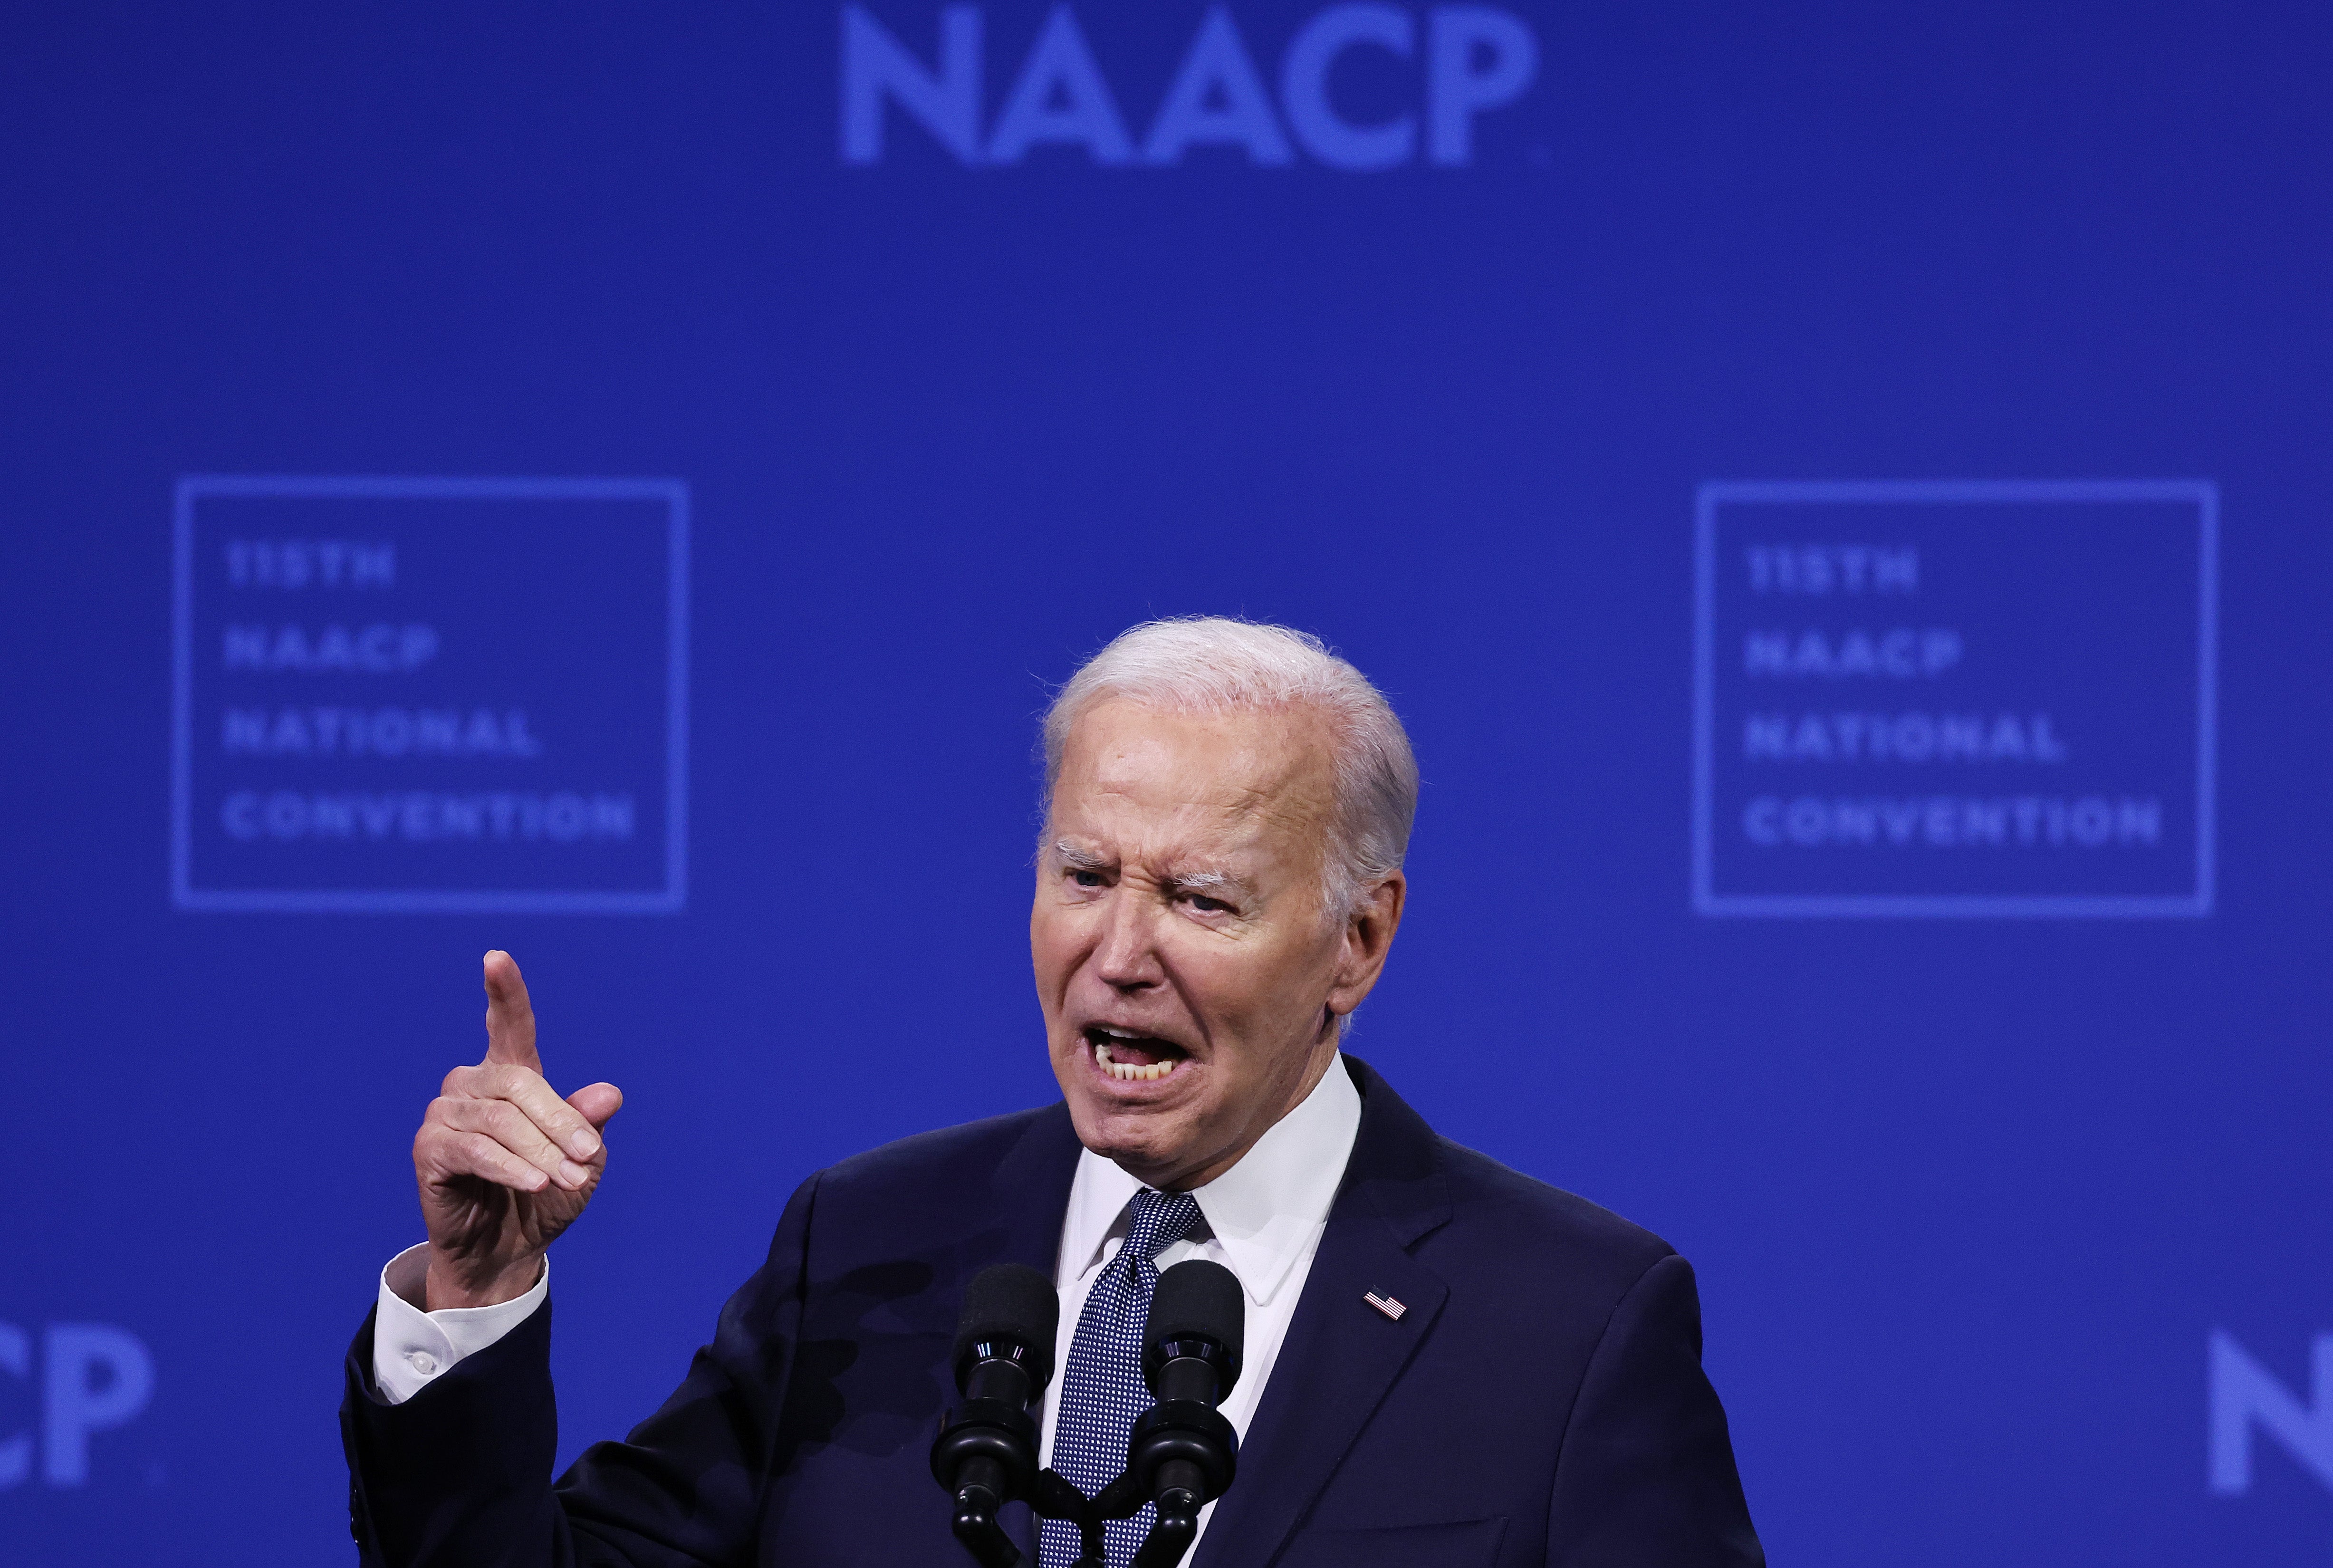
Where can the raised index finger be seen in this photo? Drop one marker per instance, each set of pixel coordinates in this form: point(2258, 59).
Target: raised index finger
point(510, 1016)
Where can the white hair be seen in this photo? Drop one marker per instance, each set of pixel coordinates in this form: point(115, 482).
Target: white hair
point(1212, 664)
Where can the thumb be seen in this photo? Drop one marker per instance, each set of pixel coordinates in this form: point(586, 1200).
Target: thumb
point(597, 1103)
point(510, 1015)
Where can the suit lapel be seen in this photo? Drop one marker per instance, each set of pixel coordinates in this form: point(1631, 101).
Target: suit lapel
point(1341, 1354)
point(1030, 1189)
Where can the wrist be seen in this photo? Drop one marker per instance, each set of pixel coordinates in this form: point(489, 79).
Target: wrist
point(447, 1285)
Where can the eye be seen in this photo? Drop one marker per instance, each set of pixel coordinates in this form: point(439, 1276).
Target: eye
point(1086, 879)
point(1207, 906)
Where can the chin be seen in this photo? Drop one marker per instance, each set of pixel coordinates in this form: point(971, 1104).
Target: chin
point(1137, 1138)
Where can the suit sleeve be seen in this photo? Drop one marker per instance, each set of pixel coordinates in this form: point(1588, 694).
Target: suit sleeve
point(1646, 1476)
point(459, 1475)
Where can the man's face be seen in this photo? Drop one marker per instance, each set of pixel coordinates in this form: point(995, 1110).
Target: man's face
point(1187, 969)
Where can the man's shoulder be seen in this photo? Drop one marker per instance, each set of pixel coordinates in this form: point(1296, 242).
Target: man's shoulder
point(1504, 1207)
point(1473, 1214)
point(966, 1149)
point(988, 1190)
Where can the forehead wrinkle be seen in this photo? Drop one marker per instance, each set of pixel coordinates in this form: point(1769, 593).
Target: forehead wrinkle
point(1219, 823)
point(1254, 774)
point(1241, 817)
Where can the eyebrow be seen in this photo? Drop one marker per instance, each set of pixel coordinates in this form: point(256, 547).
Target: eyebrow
point(1206, 881)
point(1080, 858)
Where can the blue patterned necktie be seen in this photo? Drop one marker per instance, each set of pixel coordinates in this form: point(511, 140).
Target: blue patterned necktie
point(1102, 1391)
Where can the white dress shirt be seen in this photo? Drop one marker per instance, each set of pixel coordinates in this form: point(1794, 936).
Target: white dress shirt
point(1262, 1220)
point(411, 1349)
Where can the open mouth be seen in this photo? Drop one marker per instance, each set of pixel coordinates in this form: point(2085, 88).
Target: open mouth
point(1132, 1058)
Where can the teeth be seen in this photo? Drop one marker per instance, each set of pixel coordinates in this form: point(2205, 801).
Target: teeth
point(1127, 1072)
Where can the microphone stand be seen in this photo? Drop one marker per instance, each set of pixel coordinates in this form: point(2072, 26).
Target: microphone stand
point(1170, 1536)
point(1181, 1453)
point(1055, 1497)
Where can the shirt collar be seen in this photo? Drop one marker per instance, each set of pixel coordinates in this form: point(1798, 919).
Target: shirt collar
point(1263, 1210)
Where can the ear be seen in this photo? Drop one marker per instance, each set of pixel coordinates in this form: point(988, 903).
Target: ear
point(1367, 938)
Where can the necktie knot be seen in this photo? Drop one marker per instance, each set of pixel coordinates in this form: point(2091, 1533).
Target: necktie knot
point(1160, 1220)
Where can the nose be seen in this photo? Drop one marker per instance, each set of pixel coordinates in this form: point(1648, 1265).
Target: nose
point(1127, 959)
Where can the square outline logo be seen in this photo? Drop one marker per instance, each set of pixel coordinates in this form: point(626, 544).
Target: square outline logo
point(2202, 493)
point(669, 900)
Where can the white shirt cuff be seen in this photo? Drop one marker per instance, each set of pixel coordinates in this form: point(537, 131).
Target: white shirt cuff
point(411, 1347)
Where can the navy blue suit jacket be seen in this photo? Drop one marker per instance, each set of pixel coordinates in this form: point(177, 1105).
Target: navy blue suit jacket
point(1542, 1400)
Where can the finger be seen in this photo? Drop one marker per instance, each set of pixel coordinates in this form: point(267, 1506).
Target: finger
point(475, 1154)
point(512, 1128)
point(596, 1103)
point(510, 1015)
point(526, 1090)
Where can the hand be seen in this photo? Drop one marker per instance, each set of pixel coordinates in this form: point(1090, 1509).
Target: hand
point(504, 1164)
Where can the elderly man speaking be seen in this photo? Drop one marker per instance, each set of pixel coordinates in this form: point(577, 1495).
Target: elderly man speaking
point(1446, 1362)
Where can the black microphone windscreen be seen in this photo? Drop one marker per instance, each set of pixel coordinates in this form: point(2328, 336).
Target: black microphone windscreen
point(1011, 1301)
point(1201, 1300)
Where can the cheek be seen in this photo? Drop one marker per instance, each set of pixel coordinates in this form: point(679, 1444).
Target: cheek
point(1055, 944)
point(1258, 991)
point(1232, 986)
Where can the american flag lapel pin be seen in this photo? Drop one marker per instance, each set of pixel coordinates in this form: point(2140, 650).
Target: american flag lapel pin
point(1384, 1304)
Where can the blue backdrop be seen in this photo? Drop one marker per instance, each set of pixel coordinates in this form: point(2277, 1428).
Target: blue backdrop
point(1838, 491)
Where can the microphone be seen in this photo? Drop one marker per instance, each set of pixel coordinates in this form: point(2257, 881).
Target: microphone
point(985, 1455)
point(1183, 1452)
